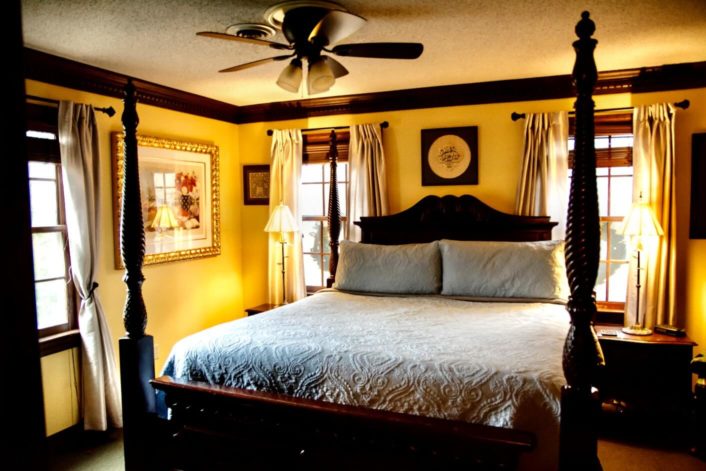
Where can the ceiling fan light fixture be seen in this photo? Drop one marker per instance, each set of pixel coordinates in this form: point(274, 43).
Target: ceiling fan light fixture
point(321, 78)
point(336, 67)
point(291, 76)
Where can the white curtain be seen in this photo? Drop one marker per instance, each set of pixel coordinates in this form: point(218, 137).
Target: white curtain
point(543, 187)
point(367, 185)
point(285, 179)
point(653, 170)
point(78, 140)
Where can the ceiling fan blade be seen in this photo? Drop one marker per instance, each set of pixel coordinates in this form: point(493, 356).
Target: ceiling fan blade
point(334, 27)
point(336, 67)
point(247, 65)
point(380, 50)
point(231, 37)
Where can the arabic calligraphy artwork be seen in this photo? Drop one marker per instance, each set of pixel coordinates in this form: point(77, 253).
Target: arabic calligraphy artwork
point(450, 156)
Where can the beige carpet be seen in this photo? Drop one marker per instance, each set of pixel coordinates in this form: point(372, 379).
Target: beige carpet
point(617, 456)
point(106, 454)
point(95, 452)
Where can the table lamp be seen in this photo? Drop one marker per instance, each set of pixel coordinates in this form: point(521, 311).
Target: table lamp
point(164, 219)
point(639, 224)
point(281, 220)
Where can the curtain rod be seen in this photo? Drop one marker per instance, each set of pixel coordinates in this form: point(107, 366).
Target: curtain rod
point(110, 111)
point(684, 104)
point(383, 125)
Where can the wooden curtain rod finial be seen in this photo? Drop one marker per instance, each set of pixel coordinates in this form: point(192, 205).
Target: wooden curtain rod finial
point(684, 104)
point(515, 116)
point(110, 111)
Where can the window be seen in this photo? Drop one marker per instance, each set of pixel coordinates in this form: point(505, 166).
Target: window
point(314, 194)
point(54, 291)
point(614, 174)
point(164, 187)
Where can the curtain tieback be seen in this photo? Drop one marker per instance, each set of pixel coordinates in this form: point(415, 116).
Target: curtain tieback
point(90, 292)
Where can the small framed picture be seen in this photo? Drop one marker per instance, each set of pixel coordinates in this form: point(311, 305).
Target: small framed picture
point(256, 184)
point(450, 156)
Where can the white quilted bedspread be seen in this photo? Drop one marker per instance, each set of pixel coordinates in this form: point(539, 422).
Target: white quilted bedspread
point(485, 362)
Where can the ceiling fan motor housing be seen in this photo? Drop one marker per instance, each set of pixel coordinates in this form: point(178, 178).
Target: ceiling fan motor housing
point(297, 27)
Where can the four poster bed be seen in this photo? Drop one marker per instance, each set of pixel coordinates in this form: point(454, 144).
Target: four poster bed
point(481, 391)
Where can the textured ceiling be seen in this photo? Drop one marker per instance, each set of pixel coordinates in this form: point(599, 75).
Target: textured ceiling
point(465, 41)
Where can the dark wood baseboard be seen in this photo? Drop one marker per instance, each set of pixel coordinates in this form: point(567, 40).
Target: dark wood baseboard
point(66, 438)
point(76, 438)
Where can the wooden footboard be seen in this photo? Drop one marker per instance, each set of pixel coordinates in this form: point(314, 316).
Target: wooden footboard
point(272, 429)
point(221, 428)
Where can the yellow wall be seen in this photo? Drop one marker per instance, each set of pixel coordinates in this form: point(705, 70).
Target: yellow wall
point(61, 386)
point(181, 297)
point(184, 297)
point(499, 149)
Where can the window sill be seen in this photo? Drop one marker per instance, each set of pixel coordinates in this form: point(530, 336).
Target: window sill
point(59, 342)
point(610, 316)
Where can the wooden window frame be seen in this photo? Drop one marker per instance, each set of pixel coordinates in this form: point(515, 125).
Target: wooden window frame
point(610, 126)
point(315, 152)
point(45, 118)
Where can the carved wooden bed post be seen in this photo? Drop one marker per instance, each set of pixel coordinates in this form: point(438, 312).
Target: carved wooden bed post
point(136, 348)
point(334, 211)
point(580, 405)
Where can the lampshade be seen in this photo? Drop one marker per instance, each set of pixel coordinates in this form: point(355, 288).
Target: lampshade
point(165, 218)
point(641, 222)
point(281, 220)
point(336, 67)
point(291, 76)
point(321, 77)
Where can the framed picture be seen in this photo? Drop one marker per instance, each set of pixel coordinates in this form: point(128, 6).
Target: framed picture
point(450, 156)
point(256, 184)
point(697, 223)
point(179, 189)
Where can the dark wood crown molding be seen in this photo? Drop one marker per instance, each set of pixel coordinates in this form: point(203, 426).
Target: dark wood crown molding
point(65, 72)
point(642, 80)
point(68, 73)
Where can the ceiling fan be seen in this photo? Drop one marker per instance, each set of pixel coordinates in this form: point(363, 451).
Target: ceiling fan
point(312, 28)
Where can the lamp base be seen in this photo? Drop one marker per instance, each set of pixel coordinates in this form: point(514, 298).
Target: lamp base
point(637, 330)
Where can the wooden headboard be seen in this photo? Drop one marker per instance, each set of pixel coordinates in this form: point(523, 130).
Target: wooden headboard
point(452, 217)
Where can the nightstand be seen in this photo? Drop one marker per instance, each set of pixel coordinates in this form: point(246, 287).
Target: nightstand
point(648, 375)
point(261, 308)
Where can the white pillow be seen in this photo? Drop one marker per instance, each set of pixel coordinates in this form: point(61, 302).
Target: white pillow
point(407, 269)
point(504, 269)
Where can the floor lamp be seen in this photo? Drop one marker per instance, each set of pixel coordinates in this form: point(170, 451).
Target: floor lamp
point(640, 223)
point(282, 221)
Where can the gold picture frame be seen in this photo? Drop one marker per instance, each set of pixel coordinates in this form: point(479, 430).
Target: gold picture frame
point(180, 193)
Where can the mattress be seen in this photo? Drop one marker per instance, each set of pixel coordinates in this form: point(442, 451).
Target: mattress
point(493, 363)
